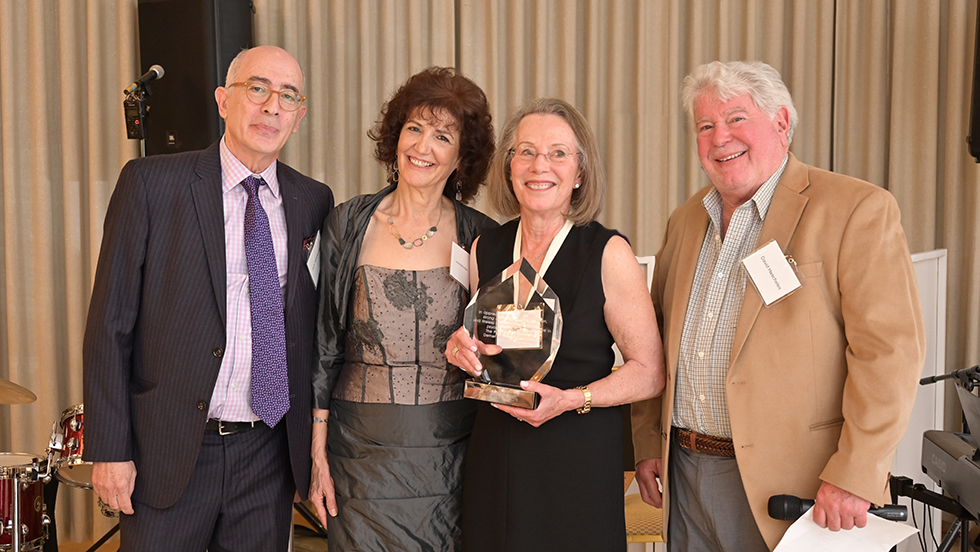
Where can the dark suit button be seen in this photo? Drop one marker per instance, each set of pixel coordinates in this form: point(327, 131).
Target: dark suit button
point(217, 352)
point(201, 405)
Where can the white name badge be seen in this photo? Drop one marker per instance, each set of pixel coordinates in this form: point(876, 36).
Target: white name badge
point(520, 329)
point(771, 273)
point(459, 265)
point(313, 261)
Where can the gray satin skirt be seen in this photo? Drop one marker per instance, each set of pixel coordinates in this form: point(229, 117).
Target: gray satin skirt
point(397, 472)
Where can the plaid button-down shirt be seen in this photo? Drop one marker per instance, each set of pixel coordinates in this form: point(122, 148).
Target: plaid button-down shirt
point(700, 403)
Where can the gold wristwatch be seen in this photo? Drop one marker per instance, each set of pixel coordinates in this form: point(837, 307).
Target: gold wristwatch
point(588, 400)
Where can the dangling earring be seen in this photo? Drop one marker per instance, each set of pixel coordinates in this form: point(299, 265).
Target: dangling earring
point(394, 176)
point(459, 190)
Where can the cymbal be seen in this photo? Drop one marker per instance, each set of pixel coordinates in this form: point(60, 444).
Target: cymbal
point(11, 393)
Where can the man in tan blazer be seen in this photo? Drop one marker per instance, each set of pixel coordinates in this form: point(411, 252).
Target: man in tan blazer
point(808, 396)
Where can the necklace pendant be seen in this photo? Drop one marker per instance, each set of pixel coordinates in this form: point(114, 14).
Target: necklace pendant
point(417, 242)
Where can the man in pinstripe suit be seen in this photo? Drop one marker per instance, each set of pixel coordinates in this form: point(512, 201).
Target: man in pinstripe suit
point(170, 427)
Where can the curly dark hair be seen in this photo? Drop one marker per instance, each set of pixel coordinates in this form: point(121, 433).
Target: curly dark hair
point(437, 89)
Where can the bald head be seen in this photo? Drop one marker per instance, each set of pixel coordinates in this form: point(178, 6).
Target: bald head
point(276, 52)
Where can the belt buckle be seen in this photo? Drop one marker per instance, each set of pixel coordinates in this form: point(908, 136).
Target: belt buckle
point(221, 428)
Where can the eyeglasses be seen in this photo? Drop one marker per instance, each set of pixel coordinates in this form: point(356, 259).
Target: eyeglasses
point(527, 155)
point(258, 94)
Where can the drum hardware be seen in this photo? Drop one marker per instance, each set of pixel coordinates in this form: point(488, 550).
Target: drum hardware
point(23, 476)
point(24, 519)
point(105, 538)
point(65, 448)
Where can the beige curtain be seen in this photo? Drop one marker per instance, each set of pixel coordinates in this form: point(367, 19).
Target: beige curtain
point(355, 55)
point(62, 68)
point(882, 87)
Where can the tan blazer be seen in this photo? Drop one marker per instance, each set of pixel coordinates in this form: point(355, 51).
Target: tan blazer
point(820, 386)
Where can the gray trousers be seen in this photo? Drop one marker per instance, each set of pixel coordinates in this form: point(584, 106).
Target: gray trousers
point(708, 508)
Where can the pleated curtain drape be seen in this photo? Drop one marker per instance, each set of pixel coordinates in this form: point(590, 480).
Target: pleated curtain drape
point(882, 87)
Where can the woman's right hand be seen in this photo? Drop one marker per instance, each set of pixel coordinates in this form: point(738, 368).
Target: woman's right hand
point(321, 490)
point(464, 351)
point(321, 483)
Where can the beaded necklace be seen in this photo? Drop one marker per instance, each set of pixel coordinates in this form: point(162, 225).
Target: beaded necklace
point(419, 241)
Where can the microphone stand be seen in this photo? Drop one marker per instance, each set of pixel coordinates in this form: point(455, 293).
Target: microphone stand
point(969, 377)
point(904, 486)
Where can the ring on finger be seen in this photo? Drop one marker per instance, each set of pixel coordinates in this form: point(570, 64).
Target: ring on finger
point(455, 351)
point(108, 511)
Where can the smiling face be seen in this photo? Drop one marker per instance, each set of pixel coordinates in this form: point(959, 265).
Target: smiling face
point(541, 186)
point(740, 147)
point(428, 149)
point(256, 133)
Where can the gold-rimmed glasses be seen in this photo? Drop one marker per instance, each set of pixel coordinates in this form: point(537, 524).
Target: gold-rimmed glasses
point(258, 93)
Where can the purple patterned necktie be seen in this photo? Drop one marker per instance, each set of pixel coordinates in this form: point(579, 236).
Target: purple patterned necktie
point(270, 386)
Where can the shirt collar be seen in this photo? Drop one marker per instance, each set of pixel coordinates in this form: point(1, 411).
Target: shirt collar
point(234, 171)
point(761, 200)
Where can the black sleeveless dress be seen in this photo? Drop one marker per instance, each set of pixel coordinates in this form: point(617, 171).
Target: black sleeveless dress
point(559, 486)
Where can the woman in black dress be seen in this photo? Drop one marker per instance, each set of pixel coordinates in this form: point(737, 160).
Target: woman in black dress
point(551, 478)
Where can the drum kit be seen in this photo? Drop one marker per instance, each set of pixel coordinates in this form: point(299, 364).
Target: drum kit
point(24, 519)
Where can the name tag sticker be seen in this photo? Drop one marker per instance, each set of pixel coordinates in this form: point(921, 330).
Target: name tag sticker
point(459, 265)
point(312, 248)
point(771, 273)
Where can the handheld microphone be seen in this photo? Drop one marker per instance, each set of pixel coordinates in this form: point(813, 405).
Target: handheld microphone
point(789, 508)
point(155, 72)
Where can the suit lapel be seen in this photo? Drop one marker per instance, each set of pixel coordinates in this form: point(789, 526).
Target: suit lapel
point(292, 206)
point(206, 192)
point(684, 267)
point(782, 219)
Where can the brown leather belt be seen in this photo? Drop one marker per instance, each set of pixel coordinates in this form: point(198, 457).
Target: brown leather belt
point(705, 444)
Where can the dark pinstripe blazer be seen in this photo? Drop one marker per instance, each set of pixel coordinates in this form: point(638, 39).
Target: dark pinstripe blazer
point(156, 325)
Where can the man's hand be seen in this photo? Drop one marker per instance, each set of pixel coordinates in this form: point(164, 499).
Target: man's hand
point(113, 482)
point(836, 509)
point(647, 474)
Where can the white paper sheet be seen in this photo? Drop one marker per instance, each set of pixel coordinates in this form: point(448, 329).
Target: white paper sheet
point(879, 534)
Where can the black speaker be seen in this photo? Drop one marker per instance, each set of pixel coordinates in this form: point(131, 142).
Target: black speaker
point(194, 41)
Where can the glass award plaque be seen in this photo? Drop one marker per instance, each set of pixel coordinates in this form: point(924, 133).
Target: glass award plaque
point(517, 311)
